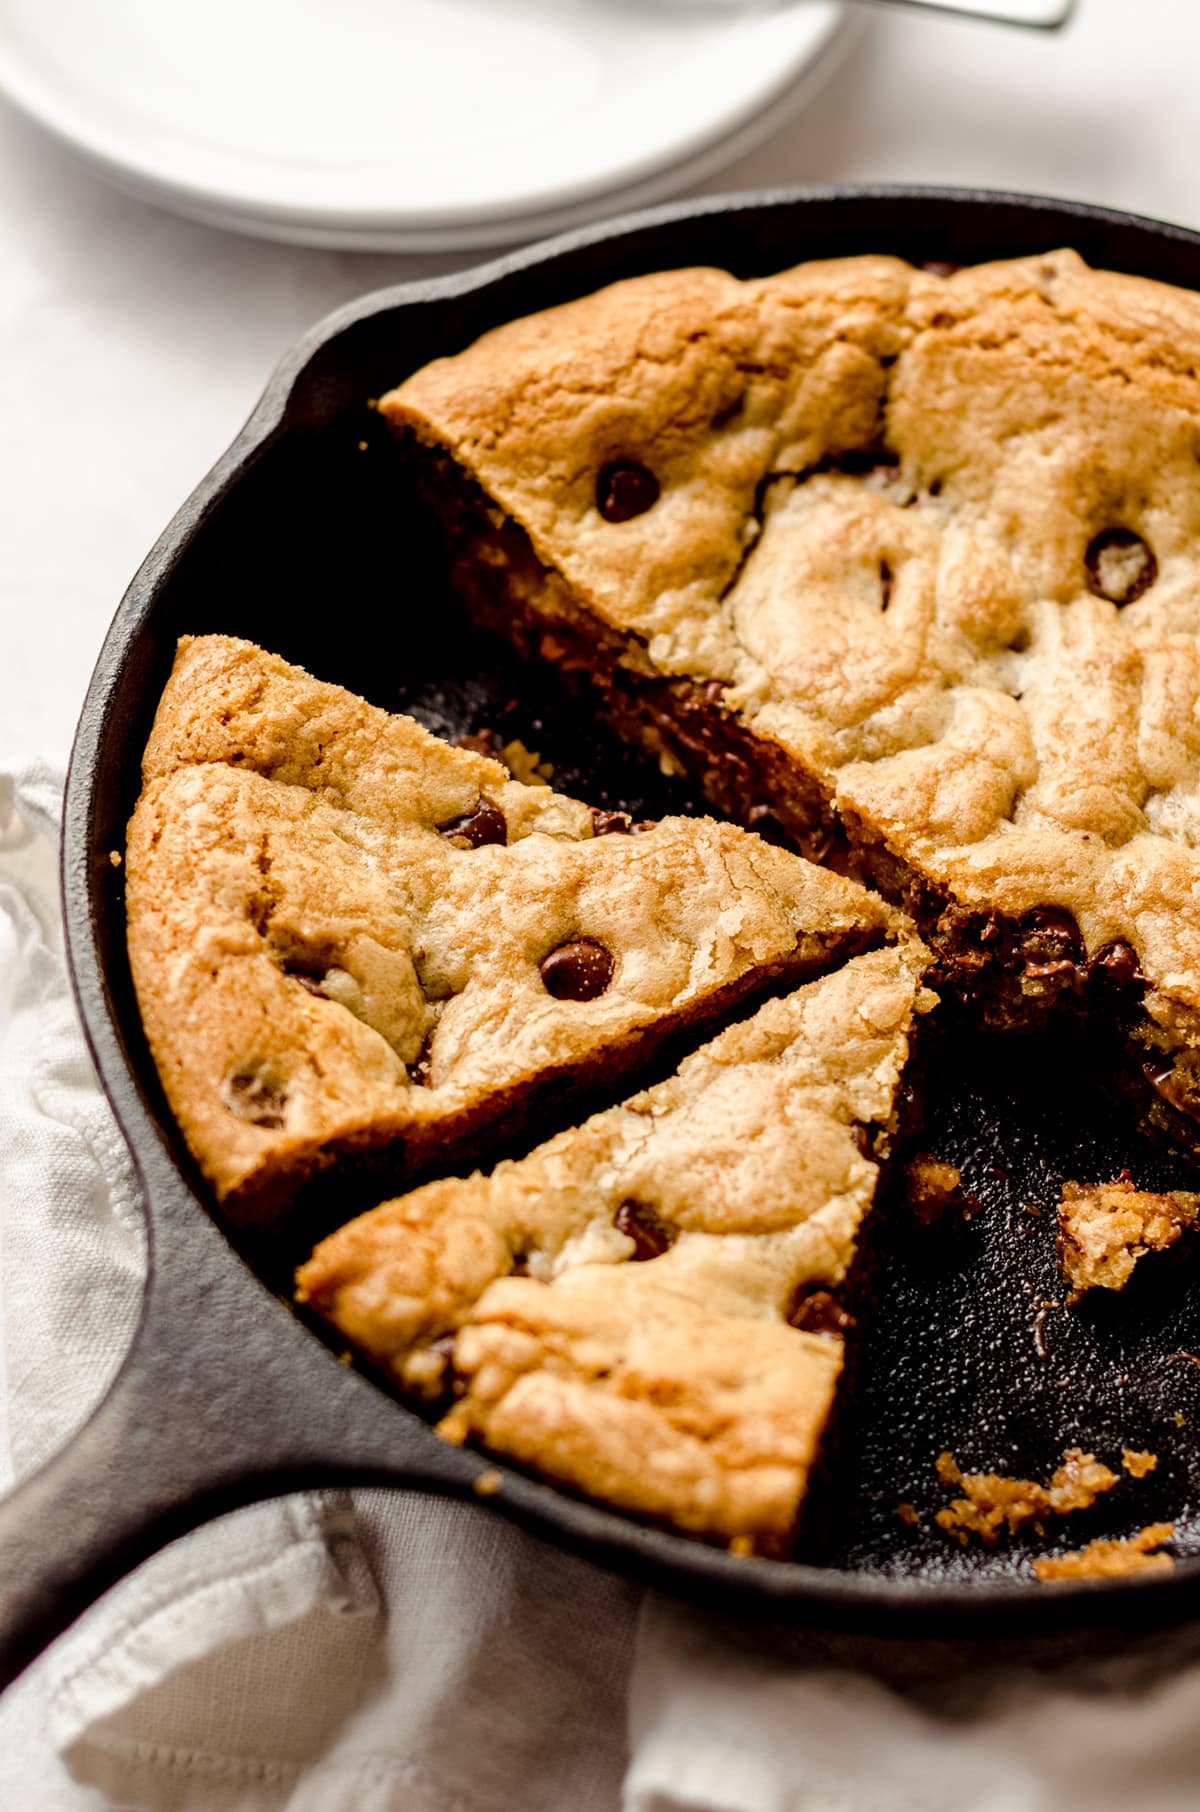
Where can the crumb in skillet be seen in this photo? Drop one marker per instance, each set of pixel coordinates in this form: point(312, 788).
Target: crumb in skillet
point(1107, 1559)
point(908, 1513)
point(933, 1189)
point(1138, 1464)
point(991, 1502)
point(1105, 1228)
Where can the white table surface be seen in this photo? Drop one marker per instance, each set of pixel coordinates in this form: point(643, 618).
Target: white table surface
point(133, 344)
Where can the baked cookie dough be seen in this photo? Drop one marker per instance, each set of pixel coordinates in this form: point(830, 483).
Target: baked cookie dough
point(651, 1307)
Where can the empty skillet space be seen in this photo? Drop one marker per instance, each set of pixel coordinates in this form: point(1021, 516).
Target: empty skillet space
point(972, 1348)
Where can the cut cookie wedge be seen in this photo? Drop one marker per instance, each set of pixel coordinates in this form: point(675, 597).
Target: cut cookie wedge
point(646, 1309)
point(902, 558)
point(350, 939)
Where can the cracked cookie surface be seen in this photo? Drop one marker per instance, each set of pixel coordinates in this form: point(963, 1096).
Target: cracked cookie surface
point(346, 934)
point(624, 1309)
point(932, 540)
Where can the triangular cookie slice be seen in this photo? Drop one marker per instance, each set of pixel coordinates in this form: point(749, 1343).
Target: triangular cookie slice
point(646, 1308)
point(348, 936)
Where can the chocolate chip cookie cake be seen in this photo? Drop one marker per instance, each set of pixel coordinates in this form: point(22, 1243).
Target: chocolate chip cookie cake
point(901, 563)
point(354, 942)
point(647, 1308)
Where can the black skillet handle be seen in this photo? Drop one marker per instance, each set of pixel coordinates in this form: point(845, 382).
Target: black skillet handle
point(225, 1398)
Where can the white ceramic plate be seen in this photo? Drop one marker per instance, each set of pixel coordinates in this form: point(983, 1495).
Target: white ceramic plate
point(407, 124)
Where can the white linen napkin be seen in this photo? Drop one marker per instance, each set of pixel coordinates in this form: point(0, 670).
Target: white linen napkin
point(381, 1651)
point(327, 1652)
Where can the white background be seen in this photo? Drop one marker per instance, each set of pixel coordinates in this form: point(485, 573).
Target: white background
point(133, 345)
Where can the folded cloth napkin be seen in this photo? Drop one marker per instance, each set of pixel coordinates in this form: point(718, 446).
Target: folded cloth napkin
point(378, 1651)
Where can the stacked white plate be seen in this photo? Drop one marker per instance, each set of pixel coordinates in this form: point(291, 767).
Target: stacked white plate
point(413, 125)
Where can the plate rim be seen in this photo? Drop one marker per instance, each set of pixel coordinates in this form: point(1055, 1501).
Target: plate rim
point(384, 227)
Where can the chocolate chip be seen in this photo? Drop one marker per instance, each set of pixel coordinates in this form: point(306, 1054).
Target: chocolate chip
point(650, 1234)
point(609, 824)
point(418, 1071)
point(256, 1095)
point(819, 1312)
point(1050, 938)
point(625, 490)
point(940, 267)
point(1120, 566)
point(1116, 966)
point(580, 970)
point(486, 824)
point(311, 985)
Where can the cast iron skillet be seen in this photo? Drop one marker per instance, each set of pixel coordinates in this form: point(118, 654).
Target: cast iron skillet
point(305, 540)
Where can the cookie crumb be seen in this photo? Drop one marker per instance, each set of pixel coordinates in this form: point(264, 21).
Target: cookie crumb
point(526, 765)
point(992, 1502)
point(908, 1513)
point(487, 1484)
point(1138, 1463)
point(933, 1189)
point(1107, 1559)
point(741, 1545)
point(1105, 1228)
point(114, 856)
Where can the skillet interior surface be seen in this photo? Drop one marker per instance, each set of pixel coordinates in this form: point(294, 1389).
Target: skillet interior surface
point(306, 540)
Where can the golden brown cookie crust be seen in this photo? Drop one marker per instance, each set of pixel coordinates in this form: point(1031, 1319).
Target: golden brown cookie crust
point(616, 1305)
point(322, 970)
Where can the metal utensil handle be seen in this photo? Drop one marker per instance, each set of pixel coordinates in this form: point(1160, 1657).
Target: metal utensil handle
point(1033, 15)
point(1037, 15)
